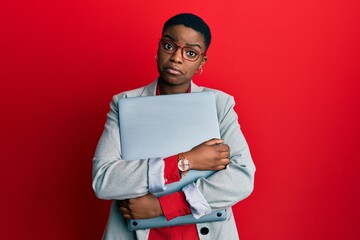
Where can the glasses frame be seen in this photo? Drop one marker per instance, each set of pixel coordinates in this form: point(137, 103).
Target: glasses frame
point(183, 54)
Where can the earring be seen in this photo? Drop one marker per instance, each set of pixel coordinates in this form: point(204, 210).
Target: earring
point(156, 58)
point(199, 73)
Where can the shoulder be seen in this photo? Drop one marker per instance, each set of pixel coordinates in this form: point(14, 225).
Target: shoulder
point(223, 99)
point(219, 95)
point(131, 93)
point(147, 90)
point(138, 92)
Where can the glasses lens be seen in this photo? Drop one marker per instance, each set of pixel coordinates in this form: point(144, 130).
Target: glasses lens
point(170, 47)
point(190, 54)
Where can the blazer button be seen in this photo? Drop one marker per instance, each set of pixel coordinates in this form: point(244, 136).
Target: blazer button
point(204, 230)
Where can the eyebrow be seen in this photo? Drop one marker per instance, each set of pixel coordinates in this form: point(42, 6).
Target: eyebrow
point(187, 44)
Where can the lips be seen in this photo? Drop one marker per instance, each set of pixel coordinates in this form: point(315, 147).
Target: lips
point(173, 70)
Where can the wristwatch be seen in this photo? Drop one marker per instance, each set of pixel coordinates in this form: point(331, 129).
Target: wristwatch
point(183, 163)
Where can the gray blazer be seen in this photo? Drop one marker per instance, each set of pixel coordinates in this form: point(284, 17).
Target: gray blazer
point(115, 179)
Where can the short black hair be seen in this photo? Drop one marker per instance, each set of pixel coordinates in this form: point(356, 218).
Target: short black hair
point(192, 21)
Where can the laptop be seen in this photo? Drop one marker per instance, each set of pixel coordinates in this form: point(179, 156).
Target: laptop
point(161, 126)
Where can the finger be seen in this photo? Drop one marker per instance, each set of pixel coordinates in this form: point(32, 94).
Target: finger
point(224, 162)
point(123, 203)
point(223, 147)
point(225, 154)
point(126, 216)
point(124, 210)
point(214, 141)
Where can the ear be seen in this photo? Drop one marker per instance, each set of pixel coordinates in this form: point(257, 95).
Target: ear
point(203, 61)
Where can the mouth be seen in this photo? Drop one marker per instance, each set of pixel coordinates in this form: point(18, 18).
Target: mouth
point(173, 70)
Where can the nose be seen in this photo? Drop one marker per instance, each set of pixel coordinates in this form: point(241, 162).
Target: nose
point(177, 56)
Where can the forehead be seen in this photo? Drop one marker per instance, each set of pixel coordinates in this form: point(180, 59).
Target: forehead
point(182, 34)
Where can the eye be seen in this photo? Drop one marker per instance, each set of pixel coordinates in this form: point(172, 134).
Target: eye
point(168, 46)
point(191, 53)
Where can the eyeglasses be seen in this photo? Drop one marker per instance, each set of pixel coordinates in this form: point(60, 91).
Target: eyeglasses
point(188, 53)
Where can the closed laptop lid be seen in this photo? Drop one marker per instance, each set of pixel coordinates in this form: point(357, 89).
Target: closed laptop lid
point(161, 126)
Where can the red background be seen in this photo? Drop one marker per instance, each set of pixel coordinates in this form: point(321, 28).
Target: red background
point(293, 67)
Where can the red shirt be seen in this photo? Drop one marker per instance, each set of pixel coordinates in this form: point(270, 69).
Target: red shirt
point(173, 205)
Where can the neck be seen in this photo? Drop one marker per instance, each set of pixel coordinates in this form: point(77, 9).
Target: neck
point(173, 89)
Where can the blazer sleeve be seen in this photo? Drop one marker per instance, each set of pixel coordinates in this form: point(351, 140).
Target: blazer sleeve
point(225, 188)
point(114, 178)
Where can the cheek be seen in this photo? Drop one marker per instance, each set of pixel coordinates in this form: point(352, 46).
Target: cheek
point(162, 56)
point(192, 68)
point(161, 60)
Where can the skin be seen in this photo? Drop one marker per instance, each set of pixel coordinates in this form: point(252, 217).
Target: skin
point(175, 77)
point(176, 72)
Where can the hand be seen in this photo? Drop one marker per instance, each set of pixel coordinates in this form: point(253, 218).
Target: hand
point(210, 155)
point(143, 207)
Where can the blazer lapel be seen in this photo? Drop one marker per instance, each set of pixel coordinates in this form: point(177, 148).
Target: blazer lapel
point(196, 88)
point(149, 90)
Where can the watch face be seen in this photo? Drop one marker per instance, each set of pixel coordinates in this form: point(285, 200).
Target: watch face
point(184, 165)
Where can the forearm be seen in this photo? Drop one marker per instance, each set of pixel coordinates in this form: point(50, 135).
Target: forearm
point(231, 185)
point(114, 178)
point(225, 188)
point(119, 179)
point(228, 186)
point(148, 206)
point(174, 205)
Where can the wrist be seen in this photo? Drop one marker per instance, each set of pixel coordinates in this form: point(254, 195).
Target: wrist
point(184, 164)
point(159, 208)
point(189, 156)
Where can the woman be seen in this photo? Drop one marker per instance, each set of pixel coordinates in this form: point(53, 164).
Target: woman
point(181, 53)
